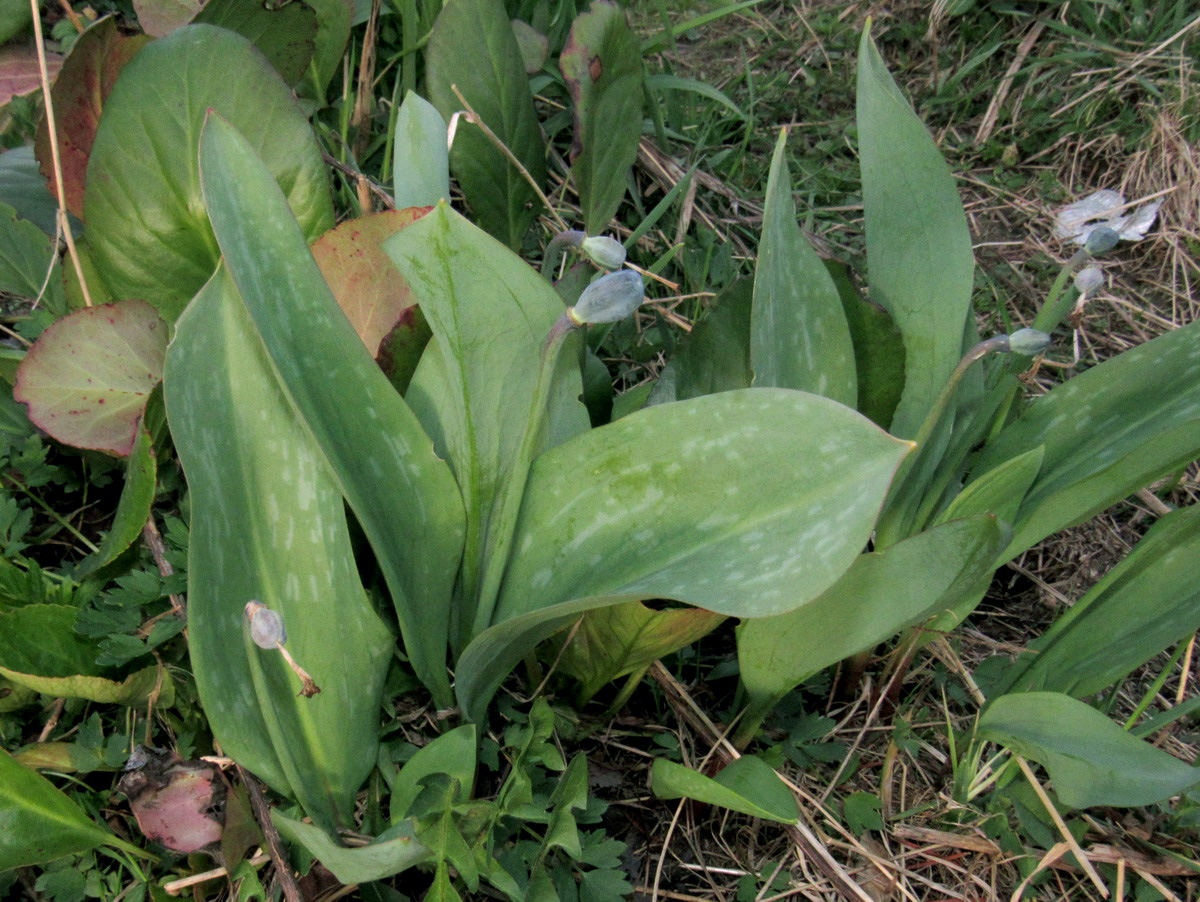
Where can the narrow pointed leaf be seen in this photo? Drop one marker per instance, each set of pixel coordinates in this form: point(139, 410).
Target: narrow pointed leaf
point(146, 221)
point(748, 786)
point(268, 524)
point(1151, 600)
point(472, 46)
point(359, 423)
point(799, 337)
point(602, 66)
point(879, 595)
point(386, 856)
point(133, 509)
point(420, 161)
point(1091, 760)
point(919, 260)
point(1107, 432)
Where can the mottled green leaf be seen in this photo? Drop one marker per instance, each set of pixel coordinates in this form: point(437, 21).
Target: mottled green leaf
point(360, 425)
point(798, 332)
point(146, 221)
point(472, 46)
point(602, 66)
point(1091, 760)
point(919, 260)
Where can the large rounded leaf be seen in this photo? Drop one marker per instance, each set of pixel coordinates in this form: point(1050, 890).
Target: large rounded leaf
point(87, 378)
point(146, 219)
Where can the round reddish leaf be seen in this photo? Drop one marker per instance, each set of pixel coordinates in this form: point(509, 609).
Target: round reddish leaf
point(86, 380)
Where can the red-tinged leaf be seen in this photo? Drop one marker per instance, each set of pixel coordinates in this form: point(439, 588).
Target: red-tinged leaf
point(159, 18)
point(86, 380)
point(79, 92)
point(368, 287)
point(176, 803)
point(19, 73)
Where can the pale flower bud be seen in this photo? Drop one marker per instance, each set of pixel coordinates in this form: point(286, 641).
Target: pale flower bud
point(609, 299)
point(1028, 342)
point(266, 626)
point(1101, 241)
point(1088, 281)
point(604, 251)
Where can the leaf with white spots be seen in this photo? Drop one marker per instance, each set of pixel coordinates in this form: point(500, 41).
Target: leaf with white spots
point(87, 378)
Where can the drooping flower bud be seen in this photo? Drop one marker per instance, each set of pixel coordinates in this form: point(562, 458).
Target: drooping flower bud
point(1088, 281)
point(604, 251)
point(609, 299)
point(1101, 241)
point(1028, 342)
point(266, 626)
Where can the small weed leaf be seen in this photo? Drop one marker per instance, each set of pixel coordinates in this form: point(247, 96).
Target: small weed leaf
point(79, 93)
point(748, 786)
point(88, 377)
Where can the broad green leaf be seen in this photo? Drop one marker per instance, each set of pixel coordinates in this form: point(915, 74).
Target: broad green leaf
point(399, 851)
point(490, 314)
point(1150, 600)
point(534, 46)
point(472, 47)
point(133, 509)
point(15, 17)
point(268, 524)
point(285, 33)
point(622, 639)
point(602, 66)
point(798, 332)
point(146, 220)
point(748, 503)
point(452, 753)
point(1107, 432)
point(1091, 760)
point(87, 378)
point(364, 282)
point(23, 188)
point(359, 423)
point(333, 33)
point(19, 72)
point(715, 355)
point(701, 501)
point(40, 823)
point(747, 785)
point(159, 18)
point(420, 161)
point(79, 92)
point(879, 595)
point(919, 260)
point(28, 257)
point(878, 349)
point(39, 649)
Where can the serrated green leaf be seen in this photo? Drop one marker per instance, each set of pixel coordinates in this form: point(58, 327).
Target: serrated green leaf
point(361, 427)
point(146, 220)
point(1091, 760)
point(798, 333)
point(472, 46)
point(452, 753)
point(919, 260)
point(602, 67)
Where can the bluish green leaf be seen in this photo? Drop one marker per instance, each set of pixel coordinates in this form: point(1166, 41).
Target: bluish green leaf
point(919, 261)
point(798, 332)
point(268, 524)
point(748, 786)
point(472, 46)
point(359, 423)
point(1091, 760)
point(420, 167)
point(602, 66)
point(146, 221)
point(879, 595)
point(1107, 432)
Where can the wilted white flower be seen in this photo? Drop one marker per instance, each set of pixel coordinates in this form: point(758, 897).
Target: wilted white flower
point(1077, 221)
point(1088, 281)
point(609, 299)
point(266, 626)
